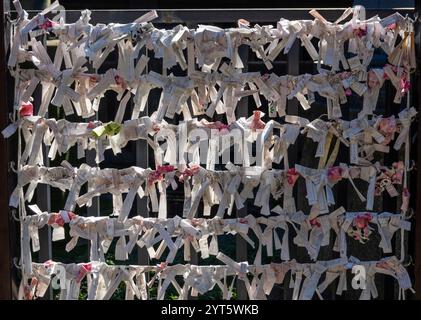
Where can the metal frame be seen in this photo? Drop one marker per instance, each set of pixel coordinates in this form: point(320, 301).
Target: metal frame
point(166, 16)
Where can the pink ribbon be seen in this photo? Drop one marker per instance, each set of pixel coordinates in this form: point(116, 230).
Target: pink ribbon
point(391, 26)
point(348, 92)
point(359, 32)
point(57, 219)
point(195, 222)
point(48, 263)
point(47, 24)
point(315, 222)
point(93, 80)
point(345, 75)
point(292, 176)
point(265, 76)
point(399, 170)
point(120, 82)
point(405, 85)
point(362, 220)
point(334, 174)
point(256, 123)
point(91, 125)
point(189, 172)
point(162, 266)
point(158, 174)
point(83, 270)
point(383, 265)
point(222, 127)
point(361, 223)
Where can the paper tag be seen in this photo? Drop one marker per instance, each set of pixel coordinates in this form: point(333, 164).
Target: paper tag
point(336, 110)
point(346, 224)
point(58, 234)
point(213, 247)
point(311, 193)
point(403, 278)
point(120, 249)
point(321, 147)
point(71, 244)
point(405, 225)
point(269, 281)
point(365, 173)
point(358, 88)
point(110, 228)
point(186, 251)
point(105, 244)
point(392, 190)
point(303, 101)
point(195, 245)
point(9, 130)
point(35, 239)
point(353, 150)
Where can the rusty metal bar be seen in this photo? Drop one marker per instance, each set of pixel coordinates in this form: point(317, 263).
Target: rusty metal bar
point(230, 15)
point(5, 216)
